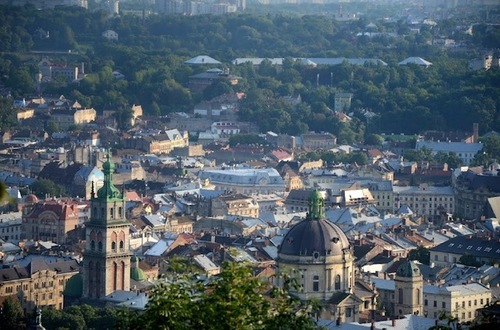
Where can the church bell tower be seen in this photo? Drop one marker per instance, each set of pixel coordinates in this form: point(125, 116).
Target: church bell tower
point(106, 261)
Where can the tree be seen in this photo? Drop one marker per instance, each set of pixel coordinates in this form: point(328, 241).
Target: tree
point(246, 139)
point(374, 140)
point(7, 113)
point(233, 299)
point(11, 314)
point(45, 187)
point(421, 254)
point(469, 260)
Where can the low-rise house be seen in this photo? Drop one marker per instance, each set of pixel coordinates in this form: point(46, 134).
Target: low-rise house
point(315, 141)
point(225, 128)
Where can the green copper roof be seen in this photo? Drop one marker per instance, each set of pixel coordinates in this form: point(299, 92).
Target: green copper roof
point(74, 286)
point(316, 206)
point(408, 269)
point(137, 274)
point(108, 190)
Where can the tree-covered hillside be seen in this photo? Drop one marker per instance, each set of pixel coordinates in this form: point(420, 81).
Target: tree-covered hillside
point(151, 52)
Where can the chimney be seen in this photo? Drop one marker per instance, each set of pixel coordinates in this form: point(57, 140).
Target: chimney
point(475, 132)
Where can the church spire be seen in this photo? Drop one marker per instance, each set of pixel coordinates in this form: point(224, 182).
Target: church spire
point(316, 206)
point(108, 190)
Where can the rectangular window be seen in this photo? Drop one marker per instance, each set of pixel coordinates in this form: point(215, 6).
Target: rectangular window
point(425, 302)
point(443, 305)
point(435, 303)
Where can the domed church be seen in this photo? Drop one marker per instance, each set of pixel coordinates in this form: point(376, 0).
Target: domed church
point(318, 253)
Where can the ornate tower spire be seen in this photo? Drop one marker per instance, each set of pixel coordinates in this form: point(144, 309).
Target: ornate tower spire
point(106, 262)
point(108, 190)
point(316, 206)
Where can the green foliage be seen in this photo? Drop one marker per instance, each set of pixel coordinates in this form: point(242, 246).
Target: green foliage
point(246, 139)
point(490, 152)
point(450, 158)
point(11, 314)
point(469, 260)
point(374, 140)
point(7, 113)
point(85, 317)
point(421, 254)
point(44, 187)
point(151, 55)
point(424, 154)
point(234, 299)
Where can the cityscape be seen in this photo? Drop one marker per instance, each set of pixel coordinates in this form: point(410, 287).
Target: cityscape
point(260, 164)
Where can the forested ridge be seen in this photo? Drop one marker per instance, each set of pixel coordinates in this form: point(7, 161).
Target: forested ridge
point(151, 52)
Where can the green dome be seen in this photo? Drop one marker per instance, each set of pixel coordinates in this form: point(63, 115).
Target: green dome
point(408, 269)
point(74, 286)
point(137, 274)
point(108, 190)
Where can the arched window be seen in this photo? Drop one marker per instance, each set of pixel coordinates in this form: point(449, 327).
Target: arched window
point(315, 283)
point(418, 296)
point(92, 245)
point(337, 282)
point(400, 296)
point(94, 214)
point(120, 211)
point(103, 213)
point(121, 237)
point(114, 238)
point(99, 246)
point(112, 213)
